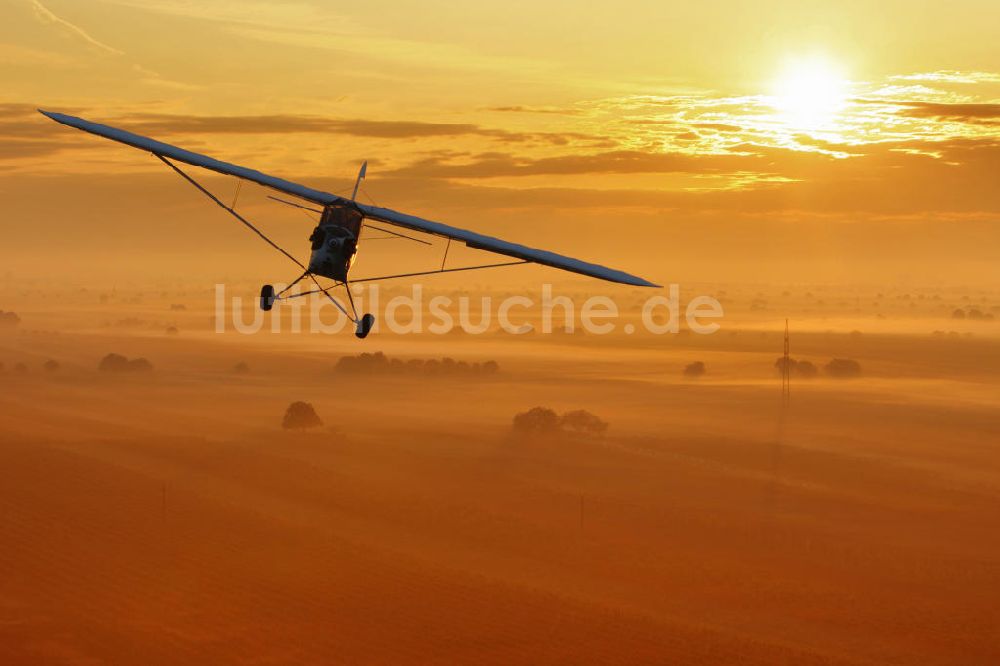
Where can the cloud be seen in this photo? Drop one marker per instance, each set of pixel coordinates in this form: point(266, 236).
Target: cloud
point(166, 124)
point(951, 111)
point(45, 15)
point(20, 121)
point(721, 127)
point(950, 76)
point(318, 26)
point(618, 161)
point(12, 149)
point(534, 109)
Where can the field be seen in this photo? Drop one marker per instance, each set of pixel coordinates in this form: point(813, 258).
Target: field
point(167, 518)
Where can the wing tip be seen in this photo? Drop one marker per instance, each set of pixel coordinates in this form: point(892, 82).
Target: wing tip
point(52, 115)
point(637, 281)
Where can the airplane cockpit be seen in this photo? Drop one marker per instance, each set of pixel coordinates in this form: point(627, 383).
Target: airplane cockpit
point(335, 242)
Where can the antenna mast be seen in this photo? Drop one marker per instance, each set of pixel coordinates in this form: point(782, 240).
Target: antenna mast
point(786, 372)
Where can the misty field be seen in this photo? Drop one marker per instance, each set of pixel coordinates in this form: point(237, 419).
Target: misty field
point(164, 516)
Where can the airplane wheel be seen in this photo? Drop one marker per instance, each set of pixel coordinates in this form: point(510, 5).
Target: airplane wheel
point(266, 297)
point(365, 326)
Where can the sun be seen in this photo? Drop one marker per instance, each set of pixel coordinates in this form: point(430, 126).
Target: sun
point(810, 93)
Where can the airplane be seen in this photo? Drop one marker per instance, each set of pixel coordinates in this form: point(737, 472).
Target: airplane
point(334, 241)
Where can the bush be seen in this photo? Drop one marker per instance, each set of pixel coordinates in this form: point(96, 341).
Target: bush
point(300, 416)
point(118, 364)
point(582, 421)
point(537, 420)
point(51, 365)
point(139, 365)
point(843, 368)
point(544, 421)
point(803, 369)
point(378, 363)
point(696, 369)
point(241, 368)
point(806, 369)
point(9, 319)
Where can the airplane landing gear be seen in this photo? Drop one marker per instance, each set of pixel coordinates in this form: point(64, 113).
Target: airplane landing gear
point(364, 326)
point(266, 297)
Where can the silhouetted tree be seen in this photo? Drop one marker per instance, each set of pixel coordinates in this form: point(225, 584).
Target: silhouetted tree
point(582, 421)
point(113, 363)
point(140, 365)
point(537, 420)
point(379, 363)
point(241, 368)
point(797, 368)
point(958, 313)
point(696, 369)
point(116, 363)
point(9, 319)
point(172, 330)
point(843, 368)
point(806, 369)
point(300, 416)
point(51, 365)
point(20, 369)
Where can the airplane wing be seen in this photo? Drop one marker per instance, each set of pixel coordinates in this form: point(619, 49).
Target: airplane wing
point(194, 159)
point(470, 238)
point(497, 246)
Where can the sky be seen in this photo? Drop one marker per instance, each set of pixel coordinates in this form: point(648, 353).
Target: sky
point(781, 141)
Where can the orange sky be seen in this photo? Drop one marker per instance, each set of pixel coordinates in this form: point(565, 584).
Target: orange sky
point(704, 141)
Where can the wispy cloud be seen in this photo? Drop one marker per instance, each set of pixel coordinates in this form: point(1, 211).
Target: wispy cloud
point(44, 14)
point(950, 76)
point(952, 111)
point(178, 124)
point(318, 26)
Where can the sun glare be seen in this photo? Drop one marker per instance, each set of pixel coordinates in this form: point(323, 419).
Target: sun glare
point(809, 93)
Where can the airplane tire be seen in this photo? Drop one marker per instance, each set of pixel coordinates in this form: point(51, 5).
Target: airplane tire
point(365, 326)
point(266, 297)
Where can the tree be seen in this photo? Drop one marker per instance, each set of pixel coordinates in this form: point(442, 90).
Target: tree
point(537, 420)
point(300, 416)
point(140, 365)
point(696, 369)
point(583, 422)
point(51, 365)
point(118, 364)
point(113, 363)
point(241, 368)
point(9, 319)
point(806, 369)
point(843, 368)
point(798, 368)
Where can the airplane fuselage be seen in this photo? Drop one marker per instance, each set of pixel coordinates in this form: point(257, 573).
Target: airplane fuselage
point(335, 242)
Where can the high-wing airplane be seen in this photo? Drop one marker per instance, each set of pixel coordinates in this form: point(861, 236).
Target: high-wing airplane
point(335, 238)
